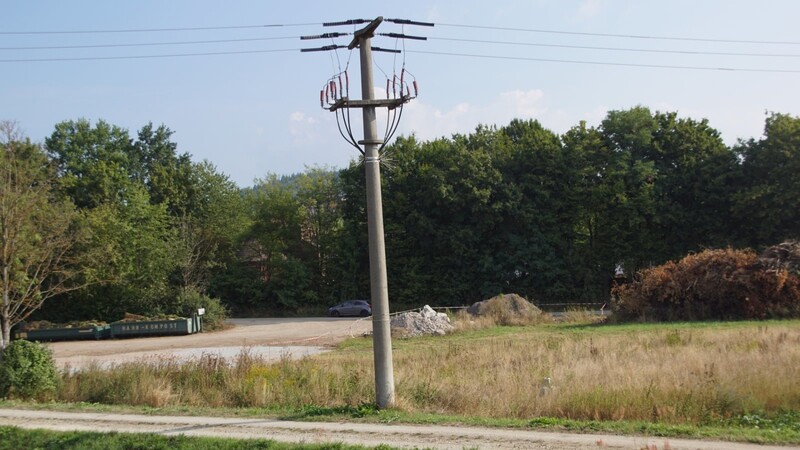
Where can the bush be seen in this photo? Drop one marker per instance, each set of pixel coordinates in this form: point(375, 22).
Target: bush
point(711, 285)
point(190, 300)
point(27, 371)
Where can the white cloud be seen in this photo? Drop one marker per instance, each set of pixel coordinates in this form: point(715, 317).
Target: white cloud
point(303, 128)
point(590, 8)
point(430, 122)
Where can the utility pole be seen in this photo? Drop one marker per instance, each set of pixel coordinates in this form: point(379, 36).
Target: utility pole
point(379, 287)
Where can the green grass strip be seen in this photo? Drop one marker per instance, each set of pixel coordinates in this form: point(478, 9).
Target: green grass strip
point(12, 438)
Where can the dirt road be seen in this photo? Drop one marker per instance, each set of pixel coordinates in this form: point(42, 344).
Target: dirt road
point(402, 436)
point(274, 336)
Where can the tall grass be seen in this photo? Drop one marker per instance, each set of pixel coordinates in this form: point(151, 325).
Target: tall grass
point(665, 373)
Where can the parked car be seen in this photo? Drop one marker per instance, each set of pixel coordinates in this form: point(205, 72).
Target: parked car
point(351, 308)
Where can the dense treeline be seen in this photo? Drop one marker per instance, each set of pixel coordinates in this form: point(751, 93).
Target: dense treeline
point(520, 209)
point(511, 209)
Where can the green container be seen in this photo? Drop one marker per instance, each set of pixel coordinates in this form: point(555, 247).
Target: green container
point(64, 334)
point(153, 328)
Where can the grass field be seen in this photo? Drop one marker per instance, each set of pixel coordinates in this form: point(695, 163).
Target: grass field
point(738, 375)
point(15, 438)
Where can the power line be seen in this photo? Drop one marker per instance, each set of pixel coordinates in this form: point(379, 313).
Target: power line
point(453, 25)
point(479, 41)
point(618, 49)
point(603, 63)
point(146, 44)
point(149, 30)
point(625, 36)
point(173, 55)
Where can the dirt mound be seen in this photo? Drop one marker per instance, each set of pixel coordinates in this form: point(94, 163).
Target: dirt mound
point(506, 309)
point(427, 322)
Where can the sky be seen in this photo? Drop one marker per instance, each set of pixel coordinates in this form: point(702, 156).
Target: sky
point(253, 108)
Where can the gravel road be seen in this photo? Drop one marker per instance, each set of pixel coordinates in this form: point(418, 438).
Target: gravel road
point(271, 338)
point(402, 436)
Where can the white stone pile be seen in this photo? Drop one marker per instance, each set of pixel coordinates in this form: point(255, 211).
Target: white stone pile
point(427, 322)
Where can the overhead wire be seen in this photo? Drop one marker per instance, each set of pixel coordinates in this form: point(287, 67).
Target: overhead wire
point(150, 44)
point(172, 55)
point(607, 63)
point(626, 36)
point(443, 53)
point(150, 30)
point(618, 49)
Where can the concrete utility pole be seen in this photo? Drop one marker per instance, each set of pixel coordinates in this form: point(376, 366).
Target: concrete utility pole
point(379, 286)
point(379, 289)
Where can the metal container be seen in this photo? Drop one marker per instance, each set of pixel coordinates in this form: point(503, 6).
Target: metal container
point(64, 334)
point(178, 327)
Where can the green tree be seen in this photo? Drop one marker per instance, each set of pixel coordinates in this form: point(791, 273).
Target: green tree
point(92, 163)
point(138, 248)
point(38, 232)
point(319, 195)
point(767, 204)
point(210, 218)
point(692, 190)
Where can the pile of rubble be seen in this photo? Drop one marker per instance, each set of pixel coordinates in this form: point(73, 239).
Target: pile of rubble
point(427, 322)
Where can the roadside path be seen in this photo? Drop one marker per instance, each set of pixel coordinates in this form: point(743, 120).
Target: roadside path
point(402, 436)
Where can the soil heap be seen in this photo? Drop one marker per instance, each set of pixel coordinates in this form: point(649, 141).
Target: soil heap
point(507, 309)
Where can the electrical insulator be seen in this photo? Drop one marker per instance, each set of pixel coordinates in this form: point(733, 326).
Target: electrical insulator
point(321, 98)
point(341, 88)
point(333, 90)
point(394, 87)
point(347, 83)
point(387, 88)
point(402, 77)
point(408, 91)
point(416, 89)
point(327, 93)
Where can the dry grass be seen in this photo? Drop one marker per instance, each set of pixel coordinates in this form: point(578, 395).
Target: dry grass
point(673, 374)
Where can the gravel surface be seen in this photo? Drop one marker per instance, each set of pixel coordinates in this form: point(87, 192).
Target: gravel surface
point(272, 338)
point(402, 436)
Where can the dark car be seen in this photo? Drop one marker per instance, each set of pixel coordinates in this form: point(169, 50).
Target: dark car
point(351, 308)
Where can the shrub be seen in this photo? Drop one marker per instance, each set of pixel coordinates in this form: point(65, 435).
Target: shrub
point(190, 300)
point(27, 371)
point(711, 285)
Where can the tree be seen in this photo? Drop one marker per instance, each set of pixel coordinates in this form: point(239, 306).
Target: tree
point(320, 199)
point(37, 232)
point(768, 202)
point(92, 163)
point(210, 219)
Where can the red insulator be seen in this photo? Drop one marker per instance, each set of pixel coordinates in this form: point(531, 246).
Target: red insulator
point(333, 89)
point(321, 98)
point(394, 87)
point(327, 93)
point(416, 89)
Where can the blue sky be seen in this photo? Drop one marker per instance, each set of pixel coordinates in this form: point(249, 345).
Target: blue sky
point(258, 113)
